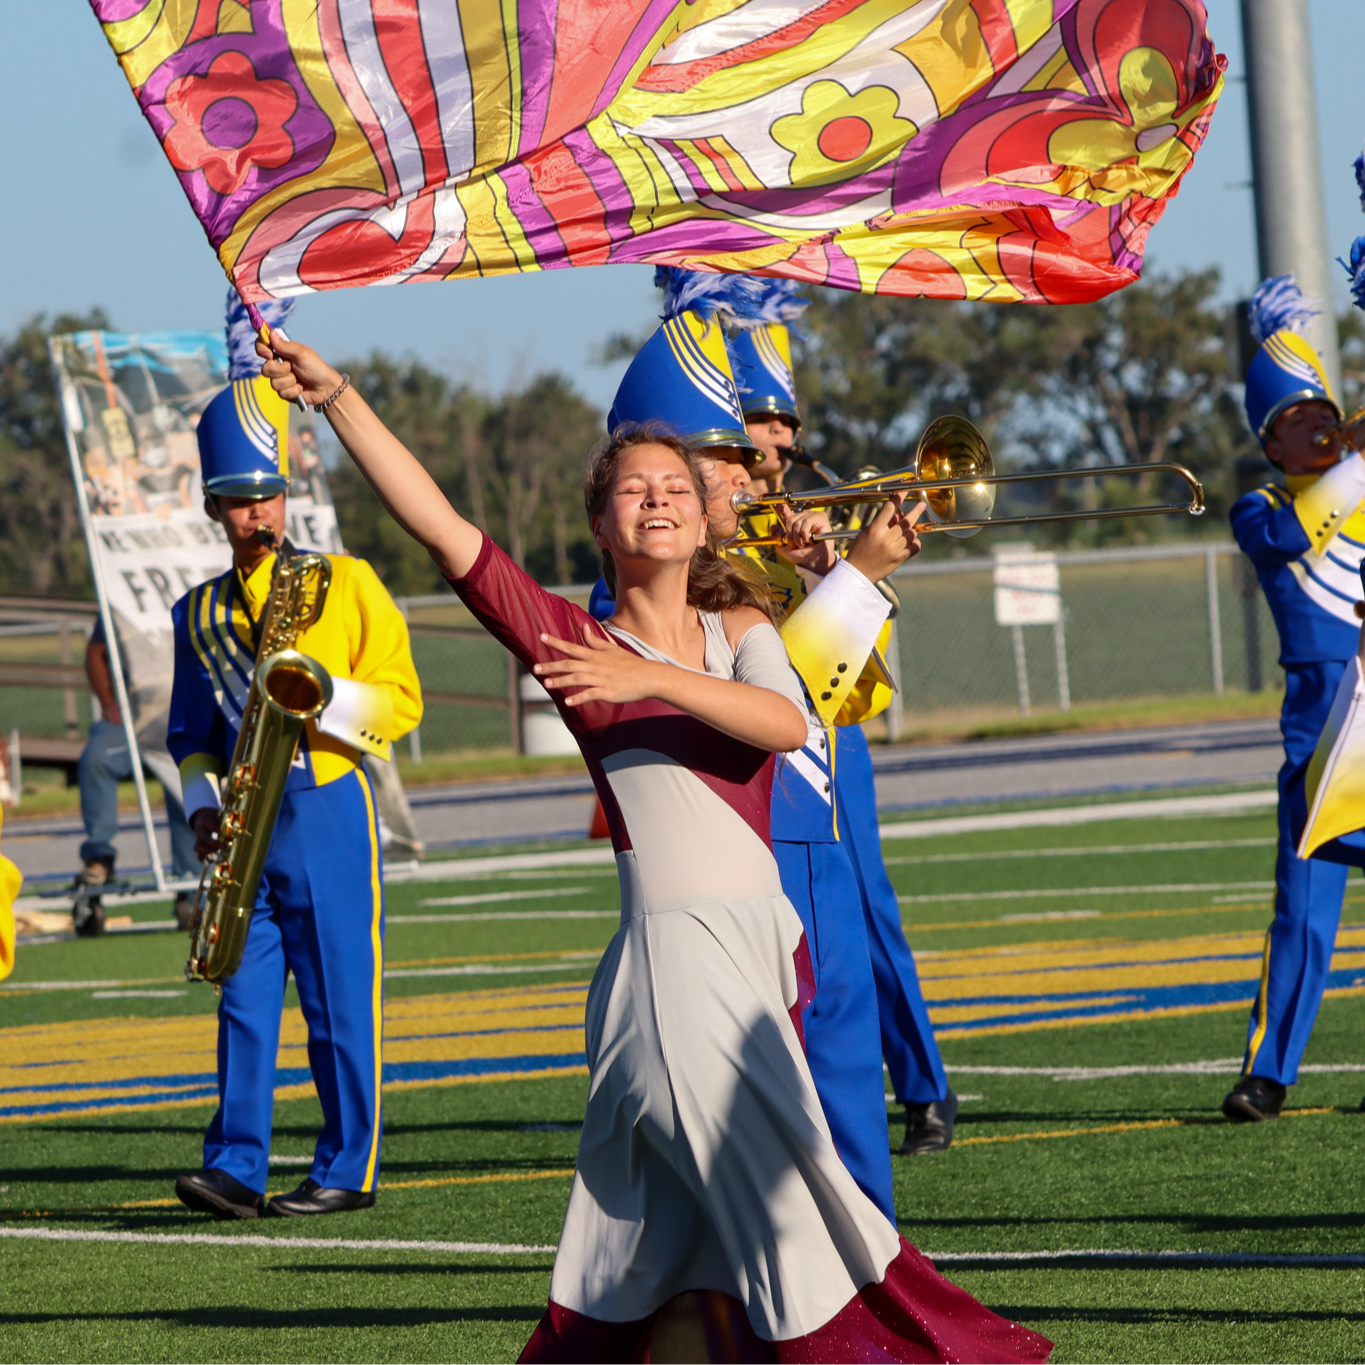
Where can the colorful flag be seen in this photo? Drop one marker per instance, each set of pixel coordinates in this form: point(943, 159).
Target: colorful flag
point(1011, 150)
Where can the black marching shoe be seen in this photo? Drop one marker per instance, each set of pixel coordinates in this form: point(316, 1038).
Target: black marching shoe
point(310, 1197)
point(1254, 1098)
point(216, 1192)
point(929, 1127)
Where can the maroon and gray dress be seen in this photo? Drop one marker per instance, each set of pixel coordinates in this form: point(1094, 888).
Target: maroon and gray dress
point(705, 1162)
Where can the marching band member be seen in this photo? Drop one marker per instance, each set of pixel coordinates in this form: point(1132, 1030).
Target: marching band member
point(1306, 539)
point(683, 377)
point(761, 357)
point(320, 910)
point(705, 1162)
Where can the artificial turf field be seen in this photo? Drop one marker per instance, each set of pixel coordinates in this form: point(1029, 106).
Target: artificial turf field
point(1090, 986)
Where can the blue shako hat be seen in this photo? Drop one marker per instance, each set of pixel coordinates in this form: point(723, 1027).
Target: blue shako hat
point(681, 375)
point(244, 431)
point(1286, 370)
point(761, 351)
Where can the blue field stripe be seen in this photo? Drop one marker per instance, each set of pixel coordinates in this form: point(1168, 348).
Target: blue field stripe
point(1127, 1000)
point(205, 1086)
point(480, 1066)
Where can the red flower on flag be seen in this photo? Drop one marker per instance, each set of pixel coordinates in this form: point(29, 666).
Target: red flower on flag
point(227, 121)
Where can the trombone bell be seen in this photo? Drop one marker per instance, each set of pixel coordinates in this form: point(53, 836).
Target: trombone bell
point(952, 448)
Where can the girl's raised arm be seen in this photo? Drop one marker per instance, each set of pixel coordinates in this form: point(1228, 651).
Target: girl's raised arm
point(409, 494)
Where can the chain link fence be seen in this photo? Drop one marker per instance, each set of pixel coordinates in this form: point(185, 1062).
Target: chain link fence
point(1156, 622)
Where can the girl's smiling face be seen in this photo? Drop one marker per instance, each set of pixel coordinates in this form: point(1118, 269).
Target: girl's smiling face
point(653, 511)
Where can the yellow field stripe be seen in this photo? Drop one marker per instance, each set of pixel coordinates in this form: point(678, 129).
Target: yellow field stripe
point(1135, 1126)
point(502, 1179)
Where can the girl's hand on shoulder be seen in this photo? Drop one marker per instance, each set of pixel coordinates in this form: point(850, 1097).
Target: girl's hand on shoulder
point(600, 668)
point(297, 371)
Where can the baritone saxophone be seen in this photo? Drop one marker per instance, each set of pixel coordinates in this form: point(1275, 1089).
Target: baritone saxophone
point(287, 689)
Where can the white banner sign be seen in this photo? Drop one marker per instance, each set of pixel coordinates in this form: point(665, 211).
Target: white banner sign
point(131, 404)
point(1028, 588)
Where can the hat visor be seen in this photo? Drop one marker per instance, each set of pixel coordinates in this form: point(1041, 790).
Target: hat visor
point(713, 437)
point(771, 407)
point(254, 485)
point(1289, 400)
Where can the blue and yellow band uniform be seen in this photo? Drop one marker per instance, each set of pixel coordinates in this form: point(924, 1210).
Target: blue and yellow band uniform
point(1306, 541)
point(320, 910)
point(831, 628)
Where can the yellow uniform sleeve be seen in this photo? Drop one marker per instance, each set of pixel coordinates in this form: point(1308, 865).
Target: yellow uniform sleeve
point(1326, 505)
point(10, 881)
point(381, 700)
point(831, 639)
point(872, 693)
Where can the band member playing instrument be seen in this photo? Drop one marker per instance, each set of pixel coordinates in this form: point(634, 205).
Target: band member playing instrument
point(320, 910)
point(705, 1161)
point(761, 357)
point(830, 631)
point(1306, 538)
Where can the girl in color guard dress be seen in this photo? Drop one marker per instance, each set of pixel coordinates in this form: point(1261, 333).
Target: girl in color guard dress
point(705, 1163)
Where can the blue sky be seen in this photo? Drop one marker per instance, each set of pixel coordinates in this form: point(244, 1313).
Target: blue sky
point(93, 215)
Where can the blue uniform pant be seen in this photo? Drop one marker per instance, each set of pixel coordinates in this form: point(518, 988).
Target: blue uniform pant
point(320, 915)
point(1308, 896)
point(908, 1045)
point(842, 1044)
point(104, 763)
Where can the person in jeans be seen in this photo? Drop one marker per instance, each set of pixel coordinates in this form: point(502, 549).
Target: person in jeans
point(104, 763)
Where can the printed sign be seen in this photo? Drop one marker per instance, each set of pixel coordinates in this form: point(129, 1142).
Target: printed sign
point(130, 404)
point(1028, 588)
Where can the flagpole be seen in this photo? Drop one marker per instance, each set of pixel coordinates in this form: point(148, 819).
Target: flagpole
point(1286, 163)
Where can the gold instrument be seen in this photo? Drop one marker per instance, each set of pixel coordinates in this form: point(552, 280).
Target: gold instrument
point(955, 475)
point(287, 689)
point(1342, 428)
point(856, 514)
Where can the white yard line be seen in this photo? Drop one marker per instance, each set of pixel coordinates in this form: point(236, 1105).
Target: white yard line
point(568, 962)
point(285, 1243)
point(1216, 1066)
point(492, 897)
point(571, 962)
point(1168, 888)
point(281, 1243)
point(500, 915)
point(453, 869)
point(910, 860)
point(1248, 1259)
point(1225, 803)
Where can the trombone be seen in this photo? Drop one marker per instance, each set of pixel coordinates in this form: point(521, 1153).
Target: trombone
point(955, 475)
point(1347, 424)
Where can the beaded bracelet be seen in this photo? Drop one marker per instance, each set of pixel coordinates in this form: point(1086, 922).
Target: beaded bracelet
point(340, 389)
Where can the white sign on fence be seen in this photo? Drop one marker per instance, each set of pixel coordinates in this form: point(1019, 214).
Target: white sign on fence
point(1028, 587)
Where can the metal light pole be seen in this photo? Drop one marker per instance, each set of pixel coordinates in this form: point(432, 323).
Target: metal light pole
point(1291, 229)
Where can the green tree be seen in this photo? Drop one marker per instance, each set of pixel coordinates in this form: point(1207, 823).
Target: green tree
point(41, 546)
point(512, 464)
point(433, 417)
point(1139, 377)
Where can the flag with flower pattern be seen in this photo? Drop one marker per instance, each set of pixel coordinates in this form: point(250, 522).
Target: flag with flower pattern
point(1011, 150)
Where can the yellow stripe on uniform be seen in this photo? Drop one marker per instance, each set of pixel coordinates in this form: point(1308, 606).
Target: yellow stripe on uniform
point(1258, 1037)
point(377, 1002)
